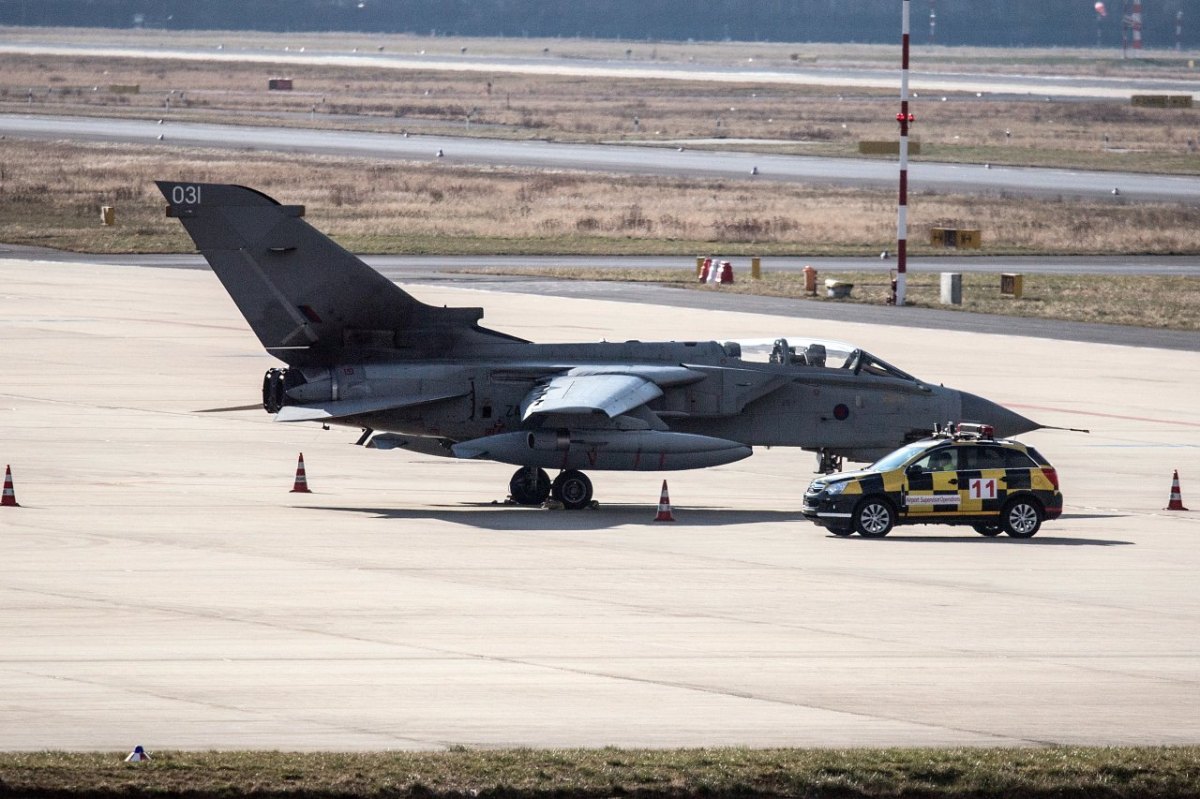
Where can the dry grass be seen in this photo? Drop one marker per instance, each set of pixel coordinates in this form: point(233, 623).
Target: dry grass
point(50, 194)
point(1095, 135)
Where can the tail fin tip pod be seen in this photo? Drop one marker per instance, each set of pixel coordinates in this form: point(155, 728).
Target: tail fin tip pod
point(309, 301)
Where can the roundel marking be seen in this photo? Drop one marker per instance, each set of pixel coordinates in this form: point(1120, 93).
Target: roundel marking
point(841, 412)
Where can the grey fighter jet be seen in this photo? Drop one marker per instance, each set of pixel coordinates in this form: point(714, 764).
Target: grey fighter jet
point(362, 352)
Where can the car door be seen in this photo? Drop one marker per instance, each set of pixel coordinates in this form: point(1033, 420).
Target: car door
point(983, 479)
point(932, 486)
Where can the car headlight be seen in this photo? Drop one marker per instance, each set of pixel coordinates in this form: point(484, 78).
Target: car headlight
point(833, 489)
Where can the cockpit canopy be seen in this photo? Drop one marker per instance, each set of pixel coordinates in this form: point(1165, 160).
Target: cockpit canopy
point(805, 352)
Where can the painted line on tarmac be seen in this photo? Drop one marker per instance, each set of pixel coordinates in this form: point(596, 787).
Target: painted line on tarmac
point(1107, 415)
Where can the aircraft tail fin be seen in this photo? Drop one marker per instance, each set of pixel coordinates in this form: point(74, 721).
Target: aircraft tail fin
point(309, 301)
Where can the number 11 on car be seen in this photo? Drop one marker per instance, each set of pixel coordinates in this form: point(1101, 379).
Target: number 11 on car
point(982, 488)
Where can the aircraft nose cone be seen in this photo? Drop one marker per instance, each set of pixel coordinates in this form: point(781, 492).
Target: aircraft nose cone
point(1007, 423)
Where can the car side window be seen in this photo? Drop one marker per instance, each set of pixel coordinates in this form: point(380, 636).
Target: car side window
point(941, 460)
point(1015, 459)
point(987, 458)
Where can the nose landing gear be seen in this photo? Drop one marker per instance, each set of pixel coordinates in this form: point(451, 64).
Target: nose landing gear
point(827, 462)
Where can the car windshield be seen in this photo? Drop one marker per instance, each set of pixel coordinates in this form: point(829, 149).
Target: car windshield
point(898, 458)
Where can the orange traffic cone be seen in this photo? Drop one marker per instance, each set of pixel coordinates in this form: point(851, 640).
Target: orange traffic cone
point(664, 506)
point(301, 486)
point(10, 498)
point(1176, 502)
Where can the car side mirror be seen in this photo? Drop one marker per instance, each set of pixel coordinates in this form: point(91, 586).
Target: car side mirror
point(913, 469)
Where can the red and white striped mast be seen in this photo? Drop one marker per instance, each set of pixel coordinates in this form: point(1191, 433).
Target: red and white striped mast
point(1135, 19)
point(905, 119)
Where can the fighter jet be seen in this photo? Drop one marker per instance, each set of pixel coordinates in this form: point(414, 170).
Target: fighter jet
point(362, 352)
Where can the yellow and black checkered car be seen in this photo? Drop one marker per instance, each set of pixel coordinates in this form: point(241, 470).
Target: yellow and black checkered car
point(968, 477)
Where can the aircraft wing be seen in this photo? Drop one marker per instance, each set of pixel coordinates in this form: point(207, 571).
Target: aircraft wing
point(610, 394)
point(340, 409)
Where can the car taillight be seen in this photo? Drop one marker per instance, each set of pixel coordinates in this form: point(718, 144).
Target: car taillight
point(1051, 475)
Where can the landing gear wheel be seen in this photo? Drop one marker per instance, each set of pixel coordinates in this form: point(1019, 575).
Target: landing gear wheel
point(841, 532)
point(989, 529)
point(529, 486)
point(1021, 518)
point(573, 489)
point(874, 517)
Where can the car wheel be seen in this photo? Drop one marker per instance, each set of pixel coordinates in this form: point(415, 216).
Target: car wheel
point(874, 517)
point(573, 489)
point(990, 529)
point(1021, 517)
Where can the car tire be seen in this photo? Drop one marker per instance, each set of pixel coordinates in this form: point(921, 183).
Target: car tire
point(989, 529)
point(874, 517)
point(1021, 517)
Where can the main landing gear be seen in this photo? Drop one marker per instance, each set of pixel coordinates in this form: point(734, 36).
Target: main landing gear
point(532, 486)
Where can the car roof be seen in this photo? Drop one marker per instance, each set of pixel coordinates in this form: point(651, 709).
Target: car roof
point(935, 442)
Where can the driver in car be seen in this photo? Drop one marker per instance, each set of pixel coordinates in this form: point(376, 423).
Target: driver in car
point(941, 462)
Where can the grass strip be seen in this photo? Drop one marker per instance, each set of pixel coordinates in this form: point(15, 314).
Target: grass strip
point(1059, 772)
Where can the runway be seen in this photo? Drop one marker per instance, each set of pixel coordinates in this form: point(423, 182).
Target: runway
point(620, 159)
point(161, 585)
point(1092, 87)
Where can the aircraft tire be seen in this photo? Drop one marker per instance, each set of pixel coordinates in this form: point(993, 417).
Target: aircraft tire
point(987, 529)
point(573, 489)
point(529, 486)
point(841, 532)
point(874, 517)
point(1021, 517)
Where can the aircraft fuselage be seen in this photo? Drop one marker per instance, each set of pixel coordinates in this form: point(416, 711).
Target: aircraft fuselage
point(717, 394)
